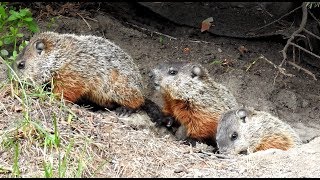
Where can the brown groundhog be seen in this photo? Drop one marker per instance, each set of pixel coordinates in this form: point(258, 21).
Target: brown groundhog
point(244, 131)
point(192, 98)
point(82, 67)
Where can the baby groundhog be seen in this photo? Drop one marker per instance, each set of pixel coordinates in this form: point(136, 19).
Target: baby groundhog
point(82, 67)
point(244, 131)
point(192, 98)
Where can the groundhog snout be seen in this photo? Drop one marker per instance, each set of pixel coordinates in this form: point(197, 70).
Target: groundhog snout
point(222, 150)
point(154, 79)
point(151, 75)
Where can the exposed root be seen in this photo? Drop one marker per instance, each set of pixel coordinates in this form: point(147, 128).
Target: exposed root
point(277, 20)
point(300, 29)
point(85, 21)
point(297, 34)
point(151, 32)
point(281, 70)
point(303, 69)
point(314, 17)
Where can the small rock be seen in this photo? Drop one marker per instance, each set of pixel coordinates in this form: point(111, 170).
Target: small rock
point(180, 170)
point(305, 103)
point(219, 50)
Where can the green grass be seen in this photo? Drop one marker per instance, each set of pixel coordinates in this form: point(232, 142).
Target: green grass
point(15, 168)
point(37, 134)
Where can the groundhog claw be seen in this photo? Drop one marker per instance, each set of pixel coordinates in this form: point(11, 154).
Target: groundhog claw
point(124, 111)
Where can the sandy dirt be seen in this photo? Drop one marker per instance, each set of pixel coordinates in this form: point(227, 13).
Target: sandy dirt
point(145, 151)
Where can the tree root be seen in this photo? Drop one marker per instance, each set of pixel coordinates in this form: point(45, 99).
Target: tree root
point(289, 42)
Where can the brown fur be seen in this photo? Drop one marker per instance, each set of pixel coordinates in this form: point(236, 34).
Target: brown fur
point(67, 84)
point(277, 141)
point(200, 125)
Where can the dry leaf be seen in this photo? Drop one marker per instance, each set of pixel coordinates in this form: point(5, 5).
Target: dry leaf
point(186, 50)
point(242, 49)
point(206, 24)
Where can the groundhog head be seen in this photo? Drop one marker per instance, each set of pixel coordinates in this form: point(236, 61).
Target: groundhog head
point(231, 132)
point(36, 62)
point(167, 75)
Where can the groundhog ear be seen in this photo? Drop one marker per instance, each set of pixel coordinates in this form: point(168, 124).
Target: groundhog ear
point(197, 71)
point(242, 114)
point(39, 47)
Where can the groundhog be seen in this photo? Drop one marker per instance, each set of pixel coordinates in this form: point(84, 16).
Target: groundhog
point(82, 67)
point(245, 131)
point(192, 98)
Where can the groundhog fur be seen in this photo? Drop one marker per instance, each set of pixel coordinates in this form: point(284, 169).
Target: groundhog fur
point(82, 67)
point(192, 98)
point(245, 131)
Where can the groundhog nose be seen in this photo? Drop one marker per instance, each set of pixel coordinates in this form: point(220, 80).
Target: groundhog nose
point(151, 74)
point(244, 152)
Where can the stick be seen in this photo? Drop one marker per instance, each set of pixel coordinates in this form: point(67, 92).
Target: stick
point(144, 29)
point(281, 70)
point(84, 21)
point(91, 19)
point(311, 33)
point(305, 50)
point(196, 41)
point(314, 17)
point(303, 69)
point(294, 54)
point(276, 19)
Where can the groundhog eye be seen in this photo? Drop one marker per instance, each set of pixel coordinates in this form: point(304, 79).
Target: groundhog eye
point(39, 47)
point(21, 65)
point(172, 71)
point(234, 136)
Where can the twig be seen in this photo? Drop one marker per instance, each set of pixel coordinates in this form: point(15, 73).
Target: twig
point(91, 19)
point(305, 50)
point(311, 33)
point(303, 69)
point(281, 70)
point(196, 41)
point(251, 64)
point(314, 17)
point(294, 54)
point(85, 21)
point(302, 25)
point(300, 35)
point(221, 156)
point(158, 33)
point(276, 19)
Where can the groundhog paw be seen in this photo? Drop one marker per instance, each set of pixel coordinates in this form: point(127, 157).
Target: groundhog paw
point(124, 111)
point(190, 141)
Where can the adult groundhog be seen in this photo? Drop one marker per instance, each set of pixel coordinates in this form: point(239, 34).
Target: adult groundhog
point(244, 131)
point(83, 68)
point(192, 98)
